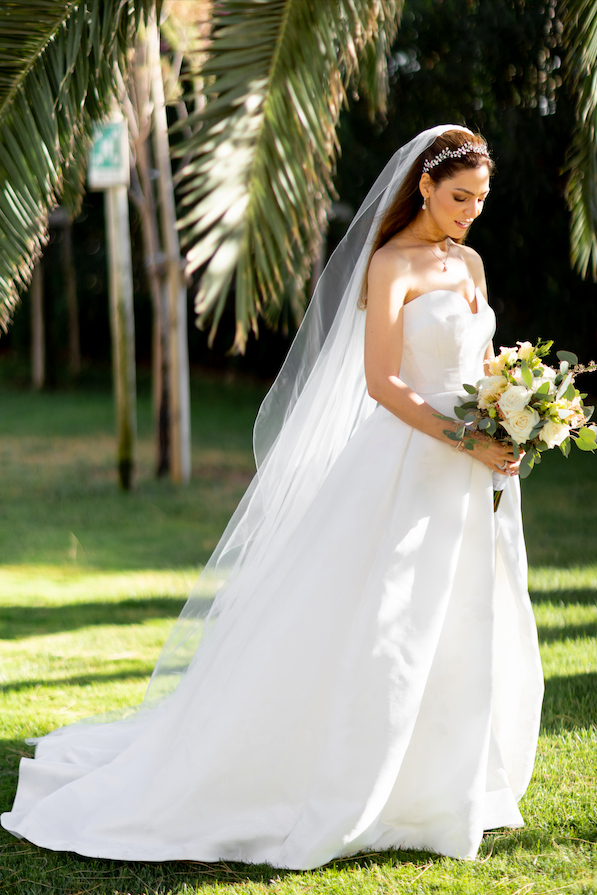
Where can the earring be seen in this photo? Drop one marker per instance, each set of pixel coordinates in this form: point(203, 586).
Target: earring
point(424, 206)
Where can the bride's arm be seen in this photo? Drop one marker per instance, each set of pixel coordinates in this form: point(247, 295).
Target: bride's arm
point(387, 287)
point(478, 274)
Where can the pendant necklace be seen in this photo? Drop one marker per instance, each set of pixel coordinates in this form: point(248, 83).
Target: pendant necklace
point(444, 261)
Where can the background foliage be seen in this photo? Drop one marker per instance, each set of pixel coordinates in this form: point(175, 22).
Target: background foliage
point(494, 65)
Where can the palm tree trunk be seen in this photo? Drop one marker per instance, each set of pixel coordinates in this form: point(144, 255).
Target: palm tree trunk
point(123, 329)
point(70, 284)
point(180, 434)
point(38, 329)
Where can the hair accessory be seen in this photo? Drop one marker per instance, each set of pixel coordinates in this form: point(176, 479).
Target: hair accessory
point(454, 153)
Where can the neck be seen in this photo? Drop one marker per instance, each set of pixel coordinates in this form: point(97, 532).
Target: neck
point(424, 229)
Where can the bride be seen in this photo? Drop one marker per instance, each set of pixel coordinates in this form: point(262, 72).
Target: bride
point(367, 675)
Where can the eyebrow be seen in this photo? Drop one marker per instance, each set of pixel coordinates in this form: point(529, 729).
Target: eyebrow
point(468, 192)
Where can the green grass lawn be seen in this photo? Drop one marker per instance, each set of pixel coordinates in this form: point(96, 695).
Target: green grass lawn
point(91, 580)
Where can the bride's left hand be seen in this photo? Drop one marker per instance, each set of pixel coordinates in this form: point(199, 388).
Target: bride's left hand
point(496, 455)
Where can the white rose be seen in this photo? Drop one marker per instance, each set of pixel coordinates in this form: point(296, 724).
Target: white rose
point(547, 375)
point(547, 372)
point(525, 351)
point(514, 399)
point(554, 433)
point(490, 388)
point(519, 425)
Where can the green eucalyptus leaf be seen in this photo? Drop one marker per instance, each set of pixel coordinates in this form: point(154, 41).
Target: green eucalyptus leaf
point(585, 445)
point(471, 389)
point(527, 376)
point(460, 412)
point(567, 357)
point(565, 447)
point(526, 465)
point(564, 367)
point(570, 393)
point(543, 389)
point(515, 450)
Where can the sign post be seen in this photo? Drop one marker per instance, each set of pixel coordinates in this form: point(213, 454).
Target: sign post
point(109, 171)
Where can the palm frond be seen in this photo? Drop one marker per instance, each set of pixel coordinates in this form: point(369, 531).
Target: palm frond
point(56, 80)
point(255, 193)
point(580, 24)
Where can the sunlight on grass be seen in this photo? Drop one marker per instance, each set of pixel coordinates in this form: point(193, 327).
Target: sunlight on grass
point(58, 585)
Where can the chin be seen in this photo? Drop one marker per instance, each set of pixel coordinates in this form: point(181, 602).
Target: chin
point(458, 233)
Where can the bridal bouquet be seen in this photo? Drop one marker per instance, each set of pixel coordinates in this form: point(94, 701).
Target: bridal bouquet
point(528, 404)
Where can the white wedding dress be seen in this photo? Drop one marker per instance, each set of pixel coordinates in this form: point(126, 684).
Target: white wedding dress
point(378, 685)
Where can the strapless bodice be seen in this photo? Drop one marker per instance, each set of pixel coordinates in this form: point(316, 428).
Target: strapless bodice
point(444, 342)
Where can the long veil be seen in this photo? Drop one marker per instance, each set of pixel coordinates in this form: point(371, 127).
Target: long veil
point(315, 405)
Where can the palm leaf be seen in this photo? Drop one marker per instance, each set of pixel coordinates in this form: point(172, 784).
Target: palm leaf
point(580, 25)
point(255, 192)
point(57, 75)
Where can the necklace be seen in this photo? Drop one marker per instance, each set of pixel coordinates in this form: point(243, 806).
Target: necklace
point(444, 261)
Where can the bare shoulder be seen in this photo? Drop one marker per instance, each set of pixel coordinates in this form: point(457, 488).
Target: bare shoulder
point(473, 261)
point(389, 270)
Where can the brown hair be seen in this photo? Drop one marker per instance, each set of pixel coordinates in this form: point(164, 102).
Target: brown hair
point(406, 204)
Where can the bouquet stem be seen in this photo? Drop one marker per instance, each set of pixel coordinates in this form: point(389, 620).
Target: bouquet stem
point(497, 496)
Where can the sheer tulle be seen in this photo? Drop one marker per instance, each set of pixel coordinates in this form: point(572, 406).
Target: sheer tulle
point(371, 679)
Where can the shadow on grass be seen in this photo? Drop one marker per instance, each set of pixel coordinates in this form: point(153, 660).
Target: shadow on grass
point(570, 702)
point(567, 632)
point(585, 596)
point(22, 863)
point(31, 621)
point(80, 680)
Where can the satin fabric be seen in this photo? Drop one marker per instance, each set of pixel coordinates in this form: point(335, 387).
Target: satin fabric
point(377, 685)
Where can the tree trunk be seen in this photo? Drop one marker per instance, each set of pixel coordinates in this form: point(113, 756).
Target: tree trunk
point(123, 328)
point(154, 261)
point(180, 434)
point(38, 331)
point(70, 284)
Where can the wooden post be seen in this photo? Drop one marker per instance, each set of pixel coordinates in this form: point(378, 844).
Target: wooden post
point(38, 330)
point(180, 431)
point(123, 328)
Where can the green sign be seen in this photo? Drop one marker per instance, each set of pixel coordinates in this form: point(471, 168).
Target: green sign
point(109, 156)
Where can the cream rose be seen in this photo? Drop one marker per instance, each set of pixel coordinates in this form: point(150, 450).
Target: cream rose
point(506, 356)
point(490, 388)
point(514, 399)
point(520, 425)
point(554, 433)
point(525, 351)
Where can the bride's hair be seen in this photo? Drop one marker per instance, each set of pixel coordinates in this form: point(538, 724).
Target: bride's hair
point(406, 204)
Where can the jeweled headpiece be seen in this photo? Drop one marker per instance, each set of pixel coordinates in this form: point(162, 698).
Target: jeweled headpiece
point(467, 147)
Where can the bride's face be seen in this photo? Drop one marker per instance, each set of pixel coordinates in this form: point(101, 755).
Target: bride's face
point(454, 203)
